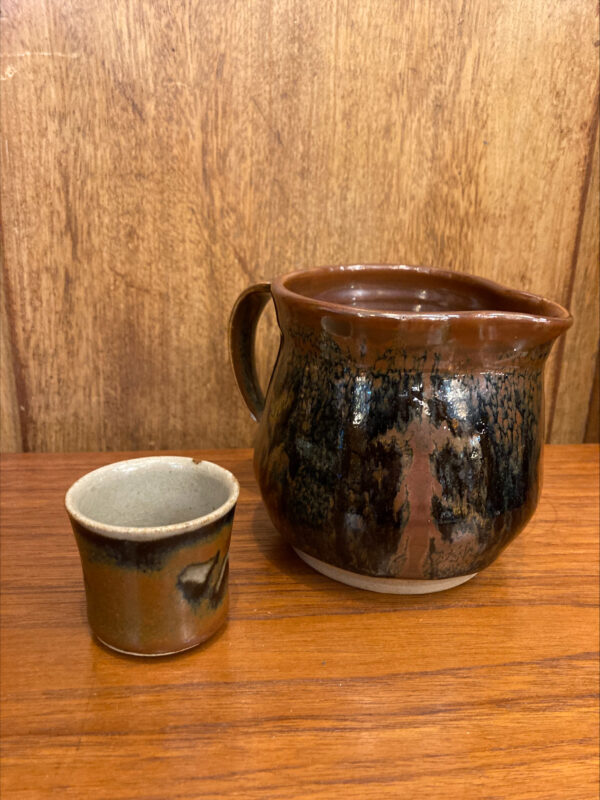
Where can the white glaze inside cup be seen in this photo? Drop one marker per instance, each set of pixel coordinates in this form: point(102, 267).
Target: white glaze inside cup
point(150, 495)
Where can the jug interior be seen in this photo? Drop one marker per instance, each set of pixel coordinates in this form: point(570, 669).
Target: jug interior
point(402, 290)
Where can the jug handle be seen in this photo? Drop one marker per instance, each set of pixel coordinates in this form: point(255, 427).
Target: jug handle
point(242, 334)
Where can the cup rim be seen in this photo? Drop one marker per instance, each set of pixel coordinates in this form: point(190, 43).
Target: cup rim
point(153, 531)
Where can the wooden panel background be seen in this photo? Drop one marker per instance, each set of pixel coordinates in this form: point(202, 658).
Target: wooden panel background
point(159, 157)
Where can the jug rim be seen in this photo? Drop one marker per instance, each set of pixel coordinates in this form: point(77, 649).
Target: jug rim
point(547, 311)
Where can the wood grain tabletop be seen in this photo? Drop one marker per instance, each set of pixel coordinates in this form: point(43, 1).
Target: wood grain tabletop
point(313, 689)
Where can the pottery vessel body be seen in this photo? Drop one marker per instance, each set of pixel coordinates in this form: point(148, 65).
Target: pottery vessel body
point(153, 536)
point(402, 430)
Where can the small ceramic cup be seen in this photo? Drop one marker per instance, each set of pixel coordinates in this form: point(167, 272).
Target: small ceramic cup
point(153, 535)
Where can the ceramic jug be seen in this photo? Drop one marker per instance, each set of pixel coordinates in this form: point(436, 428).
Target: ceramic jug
point(399, 443)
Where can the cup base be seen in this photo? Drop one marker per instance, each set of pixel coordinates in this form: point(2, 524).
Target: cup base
point(382, 585)
point(146, 655)
point(158, 655)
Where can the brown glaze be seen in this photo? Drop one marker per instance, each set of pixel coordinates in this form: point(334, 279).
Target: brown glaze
point(242, 333)
point(154, 559)
point(402, 430)
point(138, 598)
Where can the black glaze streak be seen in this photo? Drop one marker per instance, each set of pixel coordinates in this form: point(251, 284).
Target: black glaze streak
point(346, 454)
point(146, 556)
point(198, 592)
point(488, 466)
point(339, 451)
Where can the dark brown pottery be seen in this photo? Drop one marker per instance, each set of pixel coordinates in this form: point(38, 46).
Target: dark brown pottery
point(399, 444)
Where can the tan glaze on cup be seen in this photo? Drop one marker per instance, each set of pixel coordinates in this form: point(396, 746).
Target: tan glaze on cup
point(153, 535)
point(399, 444)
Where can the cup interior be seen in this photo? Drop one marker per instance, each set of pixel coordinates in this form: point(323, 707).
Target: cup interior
point(151, 493)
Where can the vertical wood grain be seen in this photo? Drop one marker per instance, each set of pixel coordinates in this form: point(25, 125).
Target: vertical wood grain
point(577, 353)
point(592, 428)
point(158, 158)
point(10, 427)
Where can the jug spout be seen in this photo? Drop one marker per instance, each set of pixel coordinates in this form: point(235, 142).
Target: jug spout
point(456, 319)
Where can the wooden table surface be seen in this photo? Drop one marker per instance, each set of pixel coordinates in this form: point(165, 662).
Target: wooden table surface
point(313, 689)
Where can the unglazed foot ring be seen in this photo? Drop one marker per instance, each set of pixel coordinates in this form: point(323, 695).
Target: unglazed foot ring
point(383, 585)
point(152, 655)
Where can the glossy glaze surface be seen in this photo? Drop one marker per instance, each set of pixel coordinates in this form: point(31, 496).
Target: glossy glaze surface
point(402, 430)
point(157, 597)
point(163, 588)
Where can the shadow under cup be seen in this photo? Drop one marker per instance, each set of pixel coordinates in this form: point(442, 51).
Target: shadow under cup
point(153, 536)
